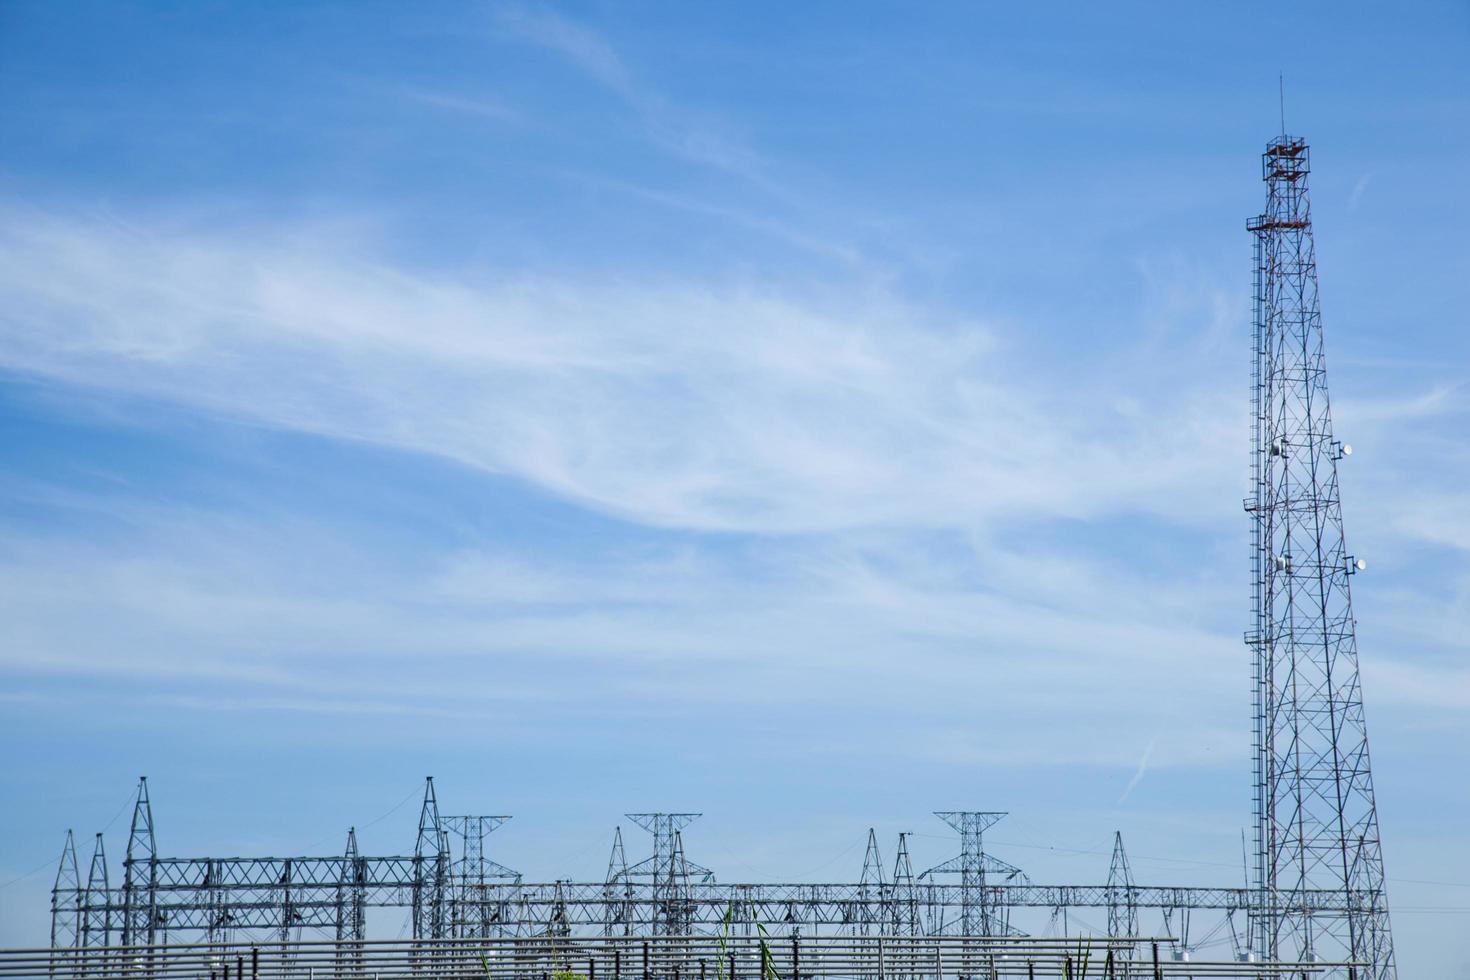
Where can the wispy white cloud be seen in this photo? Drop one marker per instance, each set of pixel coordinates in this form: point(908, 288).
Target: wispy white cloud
point(1140, 772)
point(485, 106)
point(584, 47)
point(1360, 187)
point(842, 431)
point(670, 403)
point(1423, 685)
point(692, 136)
point(285, 617)
point(1438, 518)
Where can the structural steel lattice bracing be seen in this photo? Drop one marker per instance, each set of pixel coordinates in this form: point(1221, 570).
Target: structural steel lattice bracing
point(1316, 821)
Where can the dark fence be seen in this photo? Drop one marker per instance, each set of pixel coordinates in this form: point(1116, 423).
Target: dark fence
point(727, 957)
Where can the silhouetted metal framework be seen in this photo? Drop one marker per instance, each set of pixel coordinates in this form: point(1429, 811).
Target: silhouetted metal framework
point(1122, 901)
point(1316, 822)
point(979, 915)
point(472, 913)
point(1318, 890)
point(667, 872)
point(216, 900)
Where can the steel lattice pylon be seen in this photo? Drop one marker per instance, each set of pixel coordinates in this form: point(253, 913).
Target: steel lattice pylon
point(1316, 823)
point(979, 913)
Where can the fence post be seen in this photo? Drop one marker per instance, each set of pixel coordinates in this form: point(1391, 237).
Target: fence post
point(795, 957)
point(254, 963)
point(646, 974)
point(732, 965)
point(618, 964)
point(1158, 970)
point(591, 968)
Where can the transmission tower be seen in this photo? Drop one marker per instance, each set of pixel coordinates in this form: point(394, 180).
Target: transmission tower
point(431, 869)
point(1316, 822)
point(905, 907)
point(472, 916)
point(618, 890)
point(871, 891)
point(140, 875)
point(668, 868)
point(351, 916)
point(979, 913)
point(1122, 896)
point(65, 895)
point(96, 922)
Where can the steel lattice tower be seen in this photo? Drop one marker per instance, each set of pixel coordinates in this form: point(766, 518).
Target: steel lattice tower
point(431, 869)
point(65, 899)
point(872, 891)
point(1122, 899)
point(1316, 822)
point(979, 913)
point(140, 875)
point(96, 924)
point(470, 915)
point(668, 869)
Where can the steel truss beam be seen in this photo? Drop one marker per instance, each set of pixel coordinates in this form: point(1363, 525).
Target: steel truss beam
point(206, 894)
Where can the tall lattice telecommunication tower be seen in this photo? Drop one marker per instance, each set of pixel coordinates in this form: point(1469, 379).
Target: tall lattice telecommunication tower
point(1316, 822)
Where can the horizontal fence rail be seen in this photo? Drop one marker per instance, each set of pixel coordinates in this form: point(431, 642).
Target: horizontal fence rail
point(700, 957)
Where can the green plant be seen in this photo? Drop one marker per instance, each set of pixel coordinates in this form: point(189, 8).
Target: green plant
point(1084, 957)
point(768, 962)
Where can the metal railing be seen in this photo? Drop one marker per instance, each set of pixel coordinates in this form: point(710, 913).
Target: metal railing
point(703, 957)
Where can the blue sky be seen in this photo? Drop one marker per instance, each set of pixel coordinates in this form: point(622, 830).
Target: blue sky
point(814, 415)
